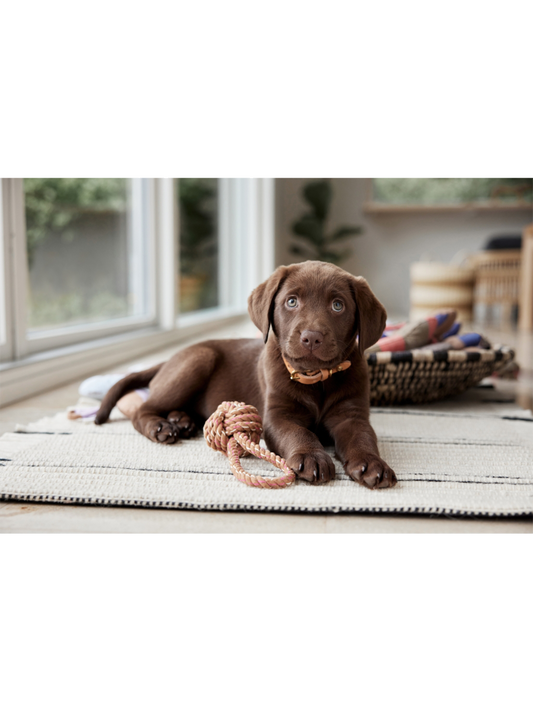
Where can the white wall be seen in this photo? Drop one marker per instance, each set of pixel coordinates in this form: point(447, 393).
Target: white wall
point(390, 243)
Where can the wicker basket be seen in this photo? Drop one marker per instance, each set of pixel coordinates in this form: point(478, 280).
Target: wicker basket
point(497, 286)
point(422, 376)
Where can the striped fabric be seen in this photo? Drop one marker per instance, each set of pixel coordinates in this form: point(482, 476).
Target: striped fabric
point(438, 333)
point(471, 458)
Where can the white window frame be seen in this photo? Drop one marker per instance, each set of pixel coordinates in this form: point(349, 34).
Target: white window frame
point(246, 258)
point(6, 317)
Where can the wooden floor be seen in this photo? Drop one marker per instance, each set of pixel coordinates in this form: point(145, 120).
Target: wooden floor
point(25, 517)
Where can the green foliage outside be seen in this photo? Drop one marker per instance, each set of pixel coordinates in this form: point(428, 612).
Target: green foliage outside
point(198, 243)
point(198, 238)
point(56, 204)
point(314, 241)
point(452, 191)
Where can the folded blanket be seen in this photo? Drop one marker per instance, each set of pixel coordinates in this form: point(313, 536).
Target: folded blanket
point(95, 388)
point(438, 333)
point(456, 343)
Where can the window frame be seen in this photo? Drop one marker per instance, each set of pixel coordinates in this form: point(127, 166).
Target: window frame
point(6, 278)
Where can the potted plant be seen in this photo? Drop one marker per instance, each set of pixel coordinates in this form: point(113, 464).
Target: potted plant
point(315, 242)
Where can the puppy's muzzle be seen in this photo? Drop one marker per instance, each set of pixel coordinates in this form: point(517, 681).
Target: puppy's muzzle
point(311, 340)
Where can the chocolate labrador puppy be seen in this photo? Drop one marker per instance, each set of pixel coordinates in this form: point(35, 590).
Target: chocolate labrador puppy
point(309, 379)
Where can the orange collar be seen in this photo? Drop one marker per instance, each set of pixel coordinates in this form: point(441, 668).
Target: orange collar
point(310, 377)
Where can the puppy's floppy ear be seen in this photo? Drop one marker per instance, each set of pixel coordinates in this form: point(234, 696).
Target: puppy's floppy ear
point(370, 317)
point(261, 300)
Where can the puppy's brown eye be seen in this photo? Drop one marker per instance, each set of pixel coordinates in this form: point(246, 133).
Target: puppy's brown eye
point(337, 306)
point(292, 302)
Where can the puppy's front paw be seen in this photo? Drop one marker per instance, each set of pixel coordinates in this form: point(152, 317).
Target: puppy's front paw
point(316, 467)
point(371, 471)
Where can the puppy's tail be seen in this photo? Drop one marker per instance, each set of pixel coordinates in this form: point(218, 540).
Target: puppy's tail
point(141, 379)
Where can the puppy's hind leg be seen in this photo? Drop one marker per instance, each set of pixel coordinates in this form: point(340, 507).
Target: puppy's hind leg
point(184, 424)
point(166, 416)
point(126, 385)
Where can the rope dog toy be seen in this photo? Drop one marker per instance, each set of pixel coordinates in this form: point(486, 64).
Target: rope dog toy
point(235, 430)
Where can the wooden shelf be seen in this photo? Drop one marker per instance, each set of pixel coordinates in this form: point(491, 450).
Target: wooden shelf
point(494, 206)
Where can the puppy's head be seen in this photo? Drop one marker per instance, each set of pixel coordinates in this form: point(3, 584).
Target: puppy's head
point(316, 310)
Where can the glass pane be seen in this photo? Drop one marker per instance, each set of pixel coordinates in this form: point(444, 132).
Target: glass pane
point(453, 191)
point(198, 202)
point(86, 250)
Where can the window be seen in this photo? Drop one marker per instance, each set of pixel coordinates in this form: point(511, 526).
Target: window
point(86, 251)
point(226, 236)
point(450, 193)
point(81, 261)
point(89, 265)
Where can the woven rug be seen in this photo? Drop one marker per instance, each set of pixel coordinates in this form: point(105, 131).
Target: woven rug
point(464, 458)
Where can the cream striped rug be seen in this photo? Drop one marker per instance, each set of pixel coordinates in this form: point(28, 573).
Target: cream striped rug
point(457, 458)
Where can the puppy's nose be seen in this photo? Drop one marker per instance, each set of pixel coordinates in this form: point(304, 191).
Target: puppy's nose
point(311, 339)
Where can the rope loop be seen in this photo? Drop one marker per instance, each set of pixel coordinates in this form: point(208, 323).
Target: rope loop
point(235, 430)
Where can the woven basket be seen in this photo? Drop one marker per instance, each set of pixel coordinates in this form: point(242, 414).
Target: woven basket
point(497, 287)
point(422, 376)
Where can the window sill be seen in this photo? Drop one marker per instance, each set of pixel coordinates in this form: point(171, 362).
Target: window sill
point(50, 369)
point(206, 316)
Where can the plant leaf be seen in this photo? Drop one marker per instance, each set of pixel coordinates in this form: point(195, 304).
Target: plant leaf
point(329, 256)
point(318, 194)
point(346, 231)
point(297, 250)
point(308, 226)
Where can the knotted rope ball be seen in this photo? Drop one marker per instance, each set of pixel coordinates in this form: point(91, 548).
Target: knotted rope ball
point(235, 429)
